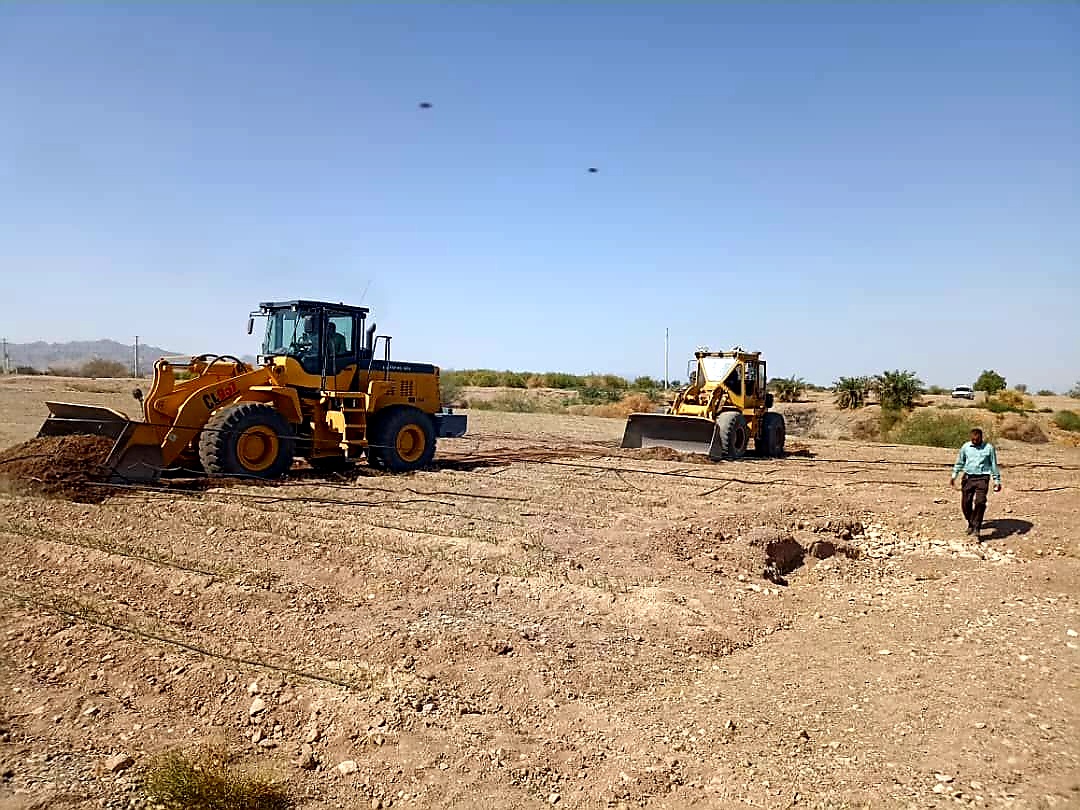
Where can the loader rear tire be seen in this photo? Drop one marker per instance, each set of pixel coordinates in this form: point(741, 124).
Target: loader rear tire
point(249, 439)
point(402, 440)
point(773, 435)
point(733, 434)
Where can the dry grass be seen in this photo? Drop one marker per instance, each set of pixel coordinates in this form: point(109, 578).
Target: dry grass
point(1022, 429)
point(209, 780)
point(631, 403)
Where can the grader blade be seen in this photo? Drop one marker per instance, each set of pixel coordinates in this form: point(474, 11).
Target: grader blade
point(686, 434)
point(135, 454)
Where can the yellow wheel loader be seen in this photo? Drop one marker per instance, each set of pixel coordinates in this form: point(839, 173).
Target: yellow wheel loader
point(724, 407)
point(320, 390)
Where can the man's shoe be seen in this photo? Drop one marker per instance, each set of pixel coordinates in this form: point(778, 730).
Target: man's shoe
point(970, 529)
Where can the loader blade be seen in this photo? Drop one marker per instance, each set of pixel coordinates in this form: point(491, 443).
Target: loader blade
point(686, 434)
point(135, 455)
point(69, 418)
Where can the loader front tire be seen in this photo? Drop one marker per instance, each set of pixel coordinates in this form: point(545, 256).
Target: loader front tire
point(773, 434)
point(733, 434)
point(249, 439)
point(402, 440)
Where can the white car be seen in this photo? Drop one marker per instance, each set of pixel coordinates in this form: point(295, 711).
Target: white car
point(963, 392)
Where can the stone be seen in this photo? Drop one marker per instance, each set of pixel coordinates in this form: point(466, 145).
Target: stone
point(312, 734)
point(347, 766)
point(253, 688)
point(501, 647)
point(554, 798)
point(306, 760)
point(257, 705)
point(118, 763)
point(1071, 633)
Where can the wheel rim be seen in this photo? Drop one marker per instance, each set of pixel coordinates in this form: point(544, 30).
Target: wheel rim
point(257, 448)
point(410, 443)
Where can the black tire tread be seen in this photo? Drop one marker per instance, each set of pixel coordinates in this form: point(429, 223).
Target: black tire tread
point(728, 425)
point(384, 430)
point(218, 456)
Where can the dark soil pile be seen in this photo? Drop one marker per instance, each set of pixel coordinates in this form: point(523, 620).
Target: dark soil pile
point(669, 454)
point(58, 466)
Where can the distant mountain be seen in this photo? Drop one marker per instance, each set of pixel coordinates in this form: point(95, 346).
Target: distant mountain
point(42, 355)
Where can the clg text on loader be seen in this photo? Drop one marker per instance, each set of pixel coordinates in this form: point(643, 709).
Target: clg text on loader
point(321, 389)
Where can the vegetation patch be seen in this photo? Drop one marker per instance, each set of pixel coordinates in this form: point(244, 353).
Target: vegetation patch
point(209, 780)
point(1022, 429)
point(934, 429)
point(1068, 420)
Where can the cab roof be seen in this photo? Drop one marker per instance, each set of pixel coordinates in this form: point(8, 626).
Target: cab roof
point(302, 303)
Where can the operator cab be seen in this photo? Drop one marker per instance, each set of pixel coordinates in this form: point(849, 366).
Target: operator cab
point(739, 371)
point(322, 337)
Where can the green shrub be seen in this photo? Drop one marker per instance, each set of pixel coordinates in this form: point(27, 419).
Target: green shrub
point(1068, 420)
point(897, 389)
point(851, 392)
point(1045, 392)
point(990, 381)
point(209, 781)
point(788, 389)
point(599, 396)
point(513, 402)
point(1021, 387)
point(1074, 392)
point(934, 429)
point(646, 384)
point(1008, 401)
point(937, 390)
point(557, 379)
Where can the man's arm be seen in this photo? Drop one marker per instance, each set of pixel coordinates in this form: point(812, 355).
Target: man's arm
point(994, 471)
point(959, 465)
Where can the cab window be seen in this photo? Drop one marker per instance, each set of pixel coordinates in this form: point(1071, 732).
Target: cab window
point(340, 338)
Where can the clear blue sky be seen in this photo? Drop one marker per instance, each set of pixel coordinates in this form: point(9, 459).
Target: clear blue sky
point(847, 187)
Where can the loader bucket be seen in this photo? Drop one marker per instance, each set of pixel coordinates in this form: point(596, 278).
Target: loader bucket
point(686, 434)
point(135, 456)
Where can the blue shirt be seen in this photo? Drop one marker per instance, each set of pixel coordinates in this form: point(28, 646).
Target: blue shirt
point(981, 460)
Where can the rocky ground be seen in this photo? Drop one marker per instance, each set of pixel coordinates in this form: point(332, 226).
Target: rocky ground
point(544, 619)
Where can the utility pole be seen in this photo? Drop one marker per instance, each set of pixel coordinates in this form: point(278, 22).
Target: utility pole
point(7, 366)
point(136, 368)
point(666, 342)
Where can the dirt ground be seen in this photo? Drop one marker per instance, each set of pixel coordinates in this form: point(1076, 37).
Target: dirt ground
point(545, 619)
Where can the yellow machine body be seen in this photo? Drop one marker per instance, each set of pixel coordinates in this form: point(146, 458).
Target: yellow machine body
point(724, 407)
point(324, 397)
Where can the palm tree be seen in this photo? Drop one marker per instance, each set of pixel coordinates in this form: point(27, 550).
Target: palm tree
point(788, 389)
point(897, 389)
point(851, 392)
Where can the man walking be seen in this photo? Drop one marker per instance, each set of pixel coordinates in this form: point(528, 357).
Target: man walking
point(978, 462)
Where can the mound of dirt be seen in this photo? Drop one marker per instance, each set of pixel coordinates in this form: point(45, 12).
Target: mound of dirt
point(58, 466)
point(668, 454)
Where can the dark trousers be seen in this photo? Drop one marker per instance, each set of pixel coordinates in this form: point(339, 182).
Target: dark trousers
point(973, 498)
